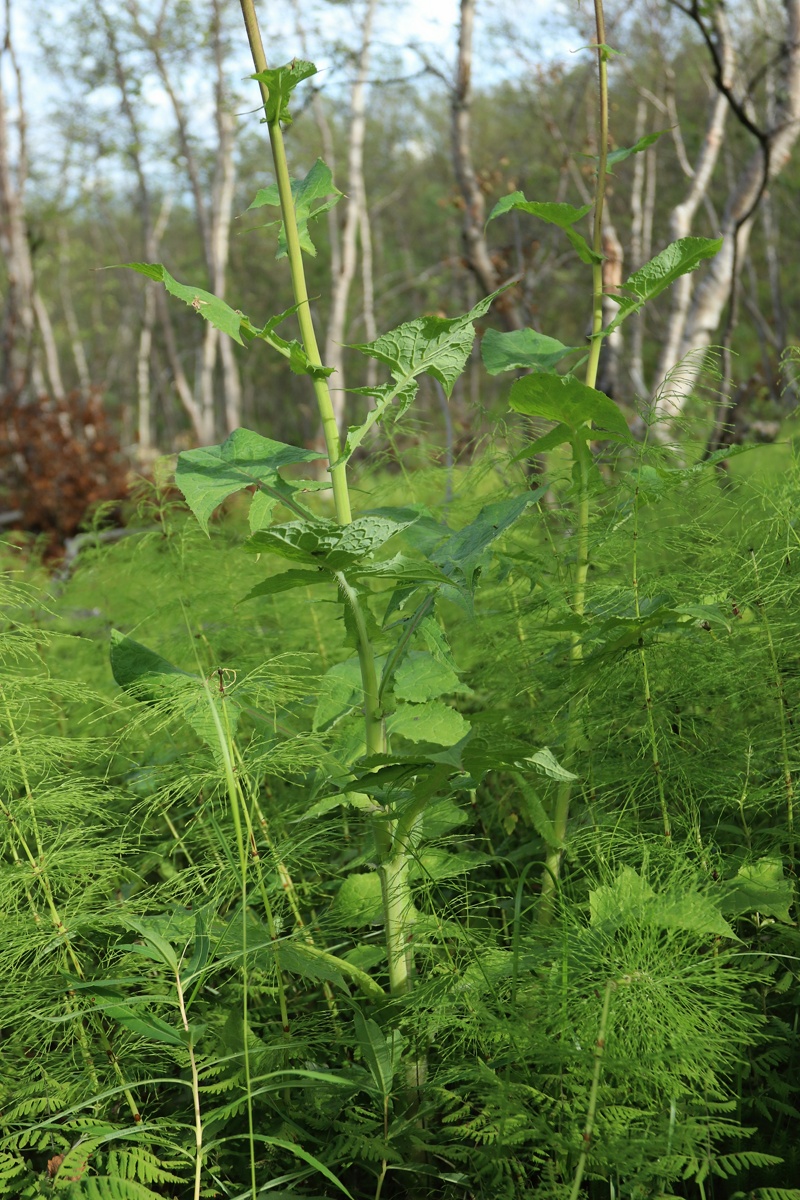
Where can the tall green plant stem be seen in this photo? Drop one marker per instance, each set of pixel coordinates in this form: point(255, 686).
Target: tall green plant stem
point(591, 1113)
point(198, 1116)
point(341, 495)
point(788, 779)
point(552, 868)
point(394, 859)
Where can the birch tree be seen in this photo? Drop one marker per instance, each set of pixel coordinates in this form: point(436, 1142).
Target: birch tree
point(775, 142)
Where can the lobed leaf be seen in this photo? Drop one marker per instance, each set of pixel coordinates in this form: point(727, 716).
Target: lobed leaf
point(679, 258)
point(211, 308)
point(436, 346)
point(280, 83)
point(317, 185)
point(210, 474)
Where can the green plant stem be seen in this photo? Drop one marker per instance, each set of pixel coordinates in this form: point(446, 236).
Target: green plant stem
point(235, 799)
point(341, 495)
point(374, 729)
point(394, 866)
point(588, 1129)
point(648, 695)
point(198, 1118)
point(597, 231)
point(788, 779)
point(552, 868)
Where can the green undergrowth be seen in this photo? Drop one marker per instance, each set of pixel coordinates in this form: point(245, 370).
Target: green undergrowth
point(426, 834)
point(479, 1081)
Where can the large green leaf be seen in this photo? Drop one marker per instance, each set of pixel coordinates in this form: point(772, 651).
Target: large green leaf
point(565, 216)
point(330, 545)
point(631, 899)
point(565, 399)
point(422, 677)
point(281, 82)
point(316, 189)
point(760, 887)
point(437, 346)
point(359, 900)
point(381, 1054)
point(461, 553)
point(339, 690)
point(209, 475)
point(522, 350)
point(430, 722)
point(679, 258)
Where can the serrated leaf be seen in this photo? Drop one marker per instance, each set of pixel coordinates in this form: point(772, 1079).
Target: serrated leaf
point(679, 258)
point(631, 899)
point(210, 474)
point(316, 186)
point(548, 764)
point(210, 307)
point(430, 722)
point(327, 544)
point(280, 83)
point(522, 349)
point(565, 399)
point(437, 346)
point(563, 215)
point(421, 677)
point(760, 887)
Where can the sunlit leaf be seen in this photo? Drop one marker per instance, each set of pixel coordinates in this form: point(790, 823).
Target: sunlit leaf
point(565, 216)
point(565, 399)
point(679, 258)
point(210, 474)
point(314, 195)
point(281, 82)
point(522, 349)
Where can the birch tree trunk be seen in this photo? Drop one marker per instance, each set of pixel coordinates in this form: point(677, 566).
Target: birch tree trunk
point(355, 205)
point(152, 293)
point(715, 288)
point(16, 336)
point(476, 250)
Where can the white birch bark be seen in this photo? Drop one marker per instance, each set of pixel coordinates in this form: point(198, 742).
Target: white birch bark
point(713, 291)
point(354, 204)
point(16, 336)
